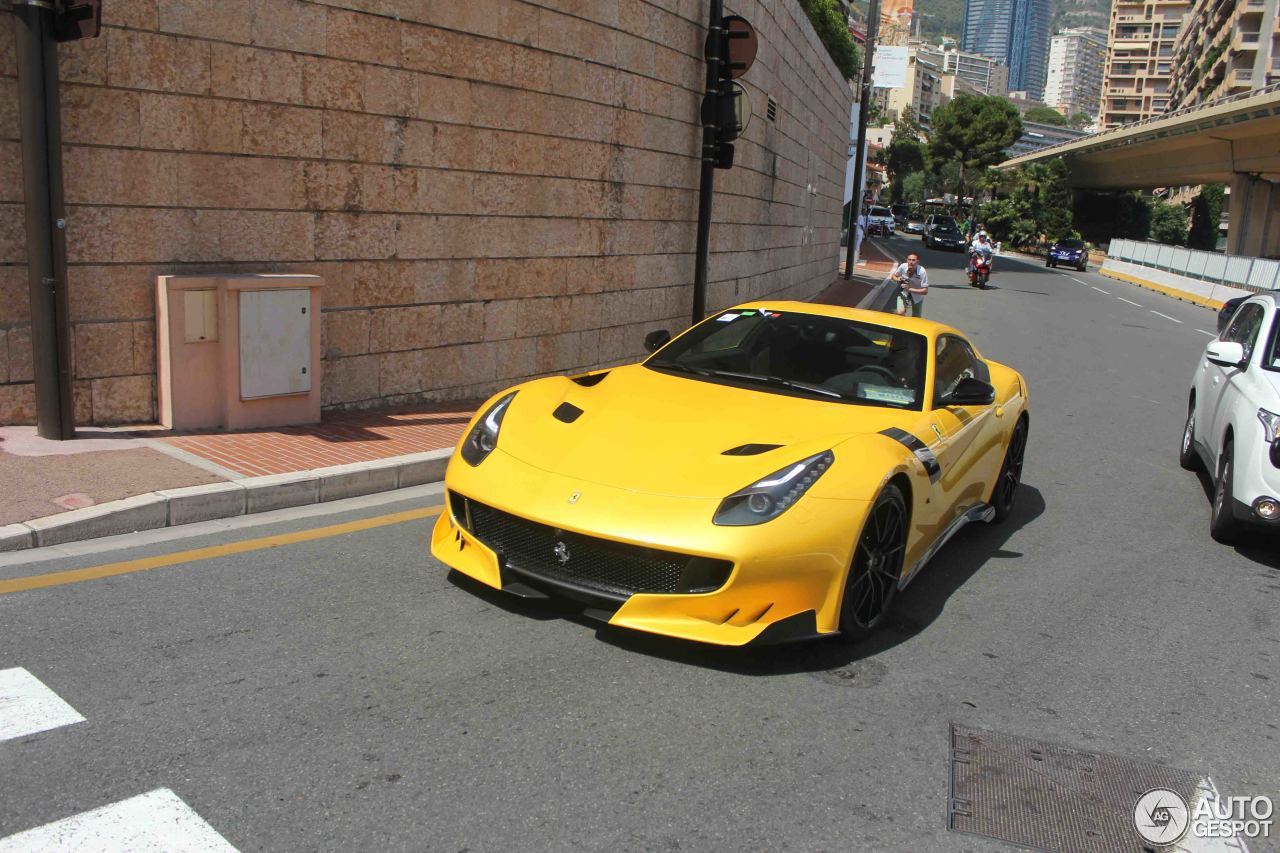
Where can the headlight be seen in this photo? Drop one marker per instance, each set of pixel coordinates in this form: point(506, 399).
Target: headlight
point(1270, 423)
point(768, 498)
point(483, 437)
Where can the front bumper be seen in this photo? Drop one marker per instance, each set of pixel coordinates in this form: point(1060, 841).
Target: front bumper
point(1074, 260)
point(787, 574)
point(1256, 476)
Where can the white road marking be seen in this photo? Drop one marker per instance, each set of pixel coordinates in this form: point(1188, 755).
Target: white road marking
point(1100, 290)
point(156, 821)
point(1203, 332)
point(1130, 301)
point(27, 706)
point(1166, 316)
point(1079, 281)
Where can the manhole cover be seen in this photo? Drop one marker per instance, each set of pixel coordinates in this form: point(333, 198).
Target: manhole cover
point(1055, 798)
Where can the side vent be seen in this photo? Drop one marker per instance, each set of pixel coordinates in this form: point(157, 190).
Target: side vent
point(772, 109)
point(750, 449)
point(567, 412)
point(587, 380)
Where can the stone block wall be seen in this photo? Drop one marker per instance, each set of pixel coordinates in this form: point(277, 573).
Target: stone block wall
point(491, 189)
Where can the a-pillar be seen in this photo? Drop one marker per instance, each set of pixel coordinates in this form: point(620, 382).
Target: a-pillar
point(1255, 217)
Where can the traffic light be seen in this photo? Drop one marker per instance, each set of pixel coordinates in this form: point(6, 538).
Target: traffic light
point(77, 19)
point(733, 49)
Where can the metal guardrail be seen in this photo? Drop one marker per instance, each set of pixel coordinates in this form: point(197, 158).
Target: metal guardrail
point(1238, 271)
point(883, 297)
point(1125, 128)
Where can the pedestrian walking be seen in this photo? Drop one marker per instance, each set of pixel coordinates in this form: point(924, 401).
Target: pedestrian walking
point(914, 283)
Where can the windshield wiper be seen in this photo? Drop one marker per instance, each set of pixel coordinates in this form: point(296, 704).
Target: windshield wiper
point(778, 380)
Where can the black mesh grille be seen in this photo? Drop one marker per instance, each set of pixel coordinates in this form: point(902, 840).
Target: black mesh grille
point(602, 566)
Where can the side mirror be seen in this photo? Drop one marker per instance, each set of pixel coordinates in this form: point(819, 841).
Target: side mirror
point(971, 392)
point(1227, 354)
point(656, 340)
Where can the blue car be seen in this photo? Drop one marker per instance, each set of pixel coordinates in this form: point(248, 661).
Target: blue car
point(1069, 252)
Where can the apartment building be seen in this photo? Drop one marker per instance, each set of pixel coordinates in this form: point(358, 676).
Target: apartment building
point(1077, 58)
point(1140, 59)
point(987, 75)
point(923, 92)
point(1226, 48)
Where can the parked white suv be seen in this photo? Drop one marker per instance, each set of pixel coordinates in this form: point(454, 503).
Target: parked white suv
point(880, 221)
point(1233, 420)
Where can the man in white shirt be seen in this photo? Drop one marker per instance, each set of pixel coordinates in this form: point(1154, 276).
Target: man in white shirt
point(914, 282)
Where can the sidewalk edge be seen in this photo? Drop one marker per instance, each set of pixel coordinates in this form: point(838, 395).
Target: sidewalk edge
point(244, 496)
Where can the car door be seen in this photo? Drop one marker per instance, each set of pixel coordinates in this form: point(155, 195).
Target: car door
point(1222, 385)
point(968, 435)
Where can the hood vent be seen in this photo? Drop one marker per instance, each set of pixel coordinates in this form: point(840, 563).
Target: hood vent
point(588, 380)
point(567, 412)
point(750, 449)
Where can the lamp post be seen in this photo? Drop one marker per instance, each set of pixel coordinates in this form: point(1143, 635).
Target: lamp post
point(860, 154)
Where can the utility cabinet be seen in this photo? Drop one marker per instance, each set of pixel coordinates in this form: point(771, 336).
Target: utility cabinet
point(275, 343)
point(238, 351)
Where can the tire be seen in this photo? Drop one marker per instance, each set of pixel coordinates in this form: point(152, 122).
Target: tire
point(1223, 525)
point(1049, 264)
point(1187, 456)
point(1006, 490)
point(1084, 268)
point(876, 566)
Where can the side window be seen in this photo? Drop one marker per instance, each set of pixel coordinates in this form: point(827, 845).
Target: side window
point(1245, 326)
point(955, 361)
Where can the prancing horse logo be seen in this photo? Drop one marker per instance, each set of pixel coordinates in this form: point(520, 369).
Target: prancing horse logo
point(561, 552)
point(573, 498)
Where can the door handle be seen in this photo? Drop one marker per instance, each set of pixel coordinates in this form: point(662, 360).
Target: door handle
point(999, 411)
point(937, 430)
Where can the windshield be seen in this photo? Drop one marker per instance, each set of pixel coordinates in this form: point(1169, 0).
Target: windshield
point(944, 222)
point(1070, 244)
point(805, 355)
point(880, 211)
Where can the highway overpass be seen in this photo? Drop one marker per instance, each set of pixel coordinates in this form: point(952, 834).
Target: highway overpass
point(1233, 141)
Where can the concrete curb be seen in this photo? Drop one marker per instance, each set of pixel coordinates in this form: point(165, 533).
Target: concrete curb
point(173, 507)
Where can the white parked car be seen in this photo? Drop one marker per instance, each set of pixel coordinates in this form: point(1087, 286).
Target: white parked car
point(880, 221)
point(1233, 420)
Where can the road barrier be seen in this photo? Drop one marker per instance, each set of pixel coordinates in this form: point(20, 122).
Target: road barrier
point(1237, 271)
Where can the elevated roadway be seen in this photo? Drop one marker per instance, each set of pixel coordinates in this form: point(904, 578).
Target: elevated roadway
point(1233, 140)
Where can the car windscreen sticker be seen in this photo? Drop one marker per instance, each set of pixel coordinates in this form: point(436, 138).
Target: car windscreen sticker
point(886, 394)
point(726, 318)
point(746, 313)
point(919, 448)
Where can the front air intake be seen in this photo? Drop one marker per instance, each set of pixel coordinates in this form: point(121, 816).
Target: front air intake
point(750, 449)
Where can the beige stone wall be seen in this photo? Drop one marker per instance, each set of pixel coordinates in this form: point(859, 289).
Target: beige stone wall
point(491, 189)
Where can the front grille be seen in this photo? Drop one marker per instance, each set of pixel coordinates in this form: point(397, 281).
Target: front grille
point(615, 570)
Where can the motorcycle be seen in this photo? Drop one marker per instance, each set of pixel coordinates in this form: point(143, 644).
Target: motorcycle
point(980, 270)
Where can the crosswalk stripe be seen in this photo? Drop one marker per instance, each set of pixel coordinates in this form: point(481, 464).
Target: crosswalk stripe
point(27, 706)
point(155, 821)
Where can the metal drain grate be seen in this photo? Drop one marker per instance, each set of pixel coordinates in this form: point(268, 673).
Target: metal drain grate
point(1054, 798)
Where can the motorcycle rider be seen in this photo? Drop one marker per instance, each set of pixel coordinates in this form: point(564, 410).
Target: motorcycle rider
point(983, 246)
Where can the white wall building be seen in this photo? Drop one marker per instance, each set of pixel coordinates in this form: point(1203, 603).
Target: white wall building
point(1077, 62)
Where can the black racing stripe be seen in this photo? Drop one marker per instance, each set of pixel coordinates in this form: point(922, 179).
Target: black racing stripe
point(919, 448)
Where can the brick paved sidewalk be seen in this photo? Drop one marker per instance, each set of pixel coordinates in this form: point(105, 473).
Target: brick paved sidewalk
point(341, 438)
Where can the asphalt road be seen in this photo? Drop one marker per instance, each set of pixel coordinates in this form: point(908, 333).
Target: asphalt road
point(341, 693)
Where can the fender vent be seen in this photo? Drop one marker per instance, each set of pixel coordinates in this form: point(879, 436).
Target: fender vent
point(567, 412)
point(750, 449)
point(588, 380)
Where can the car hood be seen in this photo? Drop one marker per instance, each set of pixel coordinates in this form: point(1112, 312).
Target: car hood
point(652, 432)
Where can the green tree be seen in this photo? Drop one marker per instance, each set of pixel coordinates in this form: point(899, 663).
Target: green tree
point(1056, 200)
point(1045, 115)
point(904, 155)
point(907, 126)
point(915, 187)
point(1080, 121)
point(1206, 212)
point(1169, 224)
point(834, 34)
point(973, 132)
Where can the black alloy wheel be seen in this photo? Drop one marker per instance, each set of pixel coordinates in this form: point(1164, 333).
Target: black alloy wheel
point(1187, 456)
point(1010, 473)
point(876, 570)
point(1223, 525)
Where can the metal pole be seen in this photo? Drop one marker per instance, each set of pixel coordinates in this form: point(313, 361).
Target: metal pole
point(860, 155)
point(46, 223)
point(706, 184)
